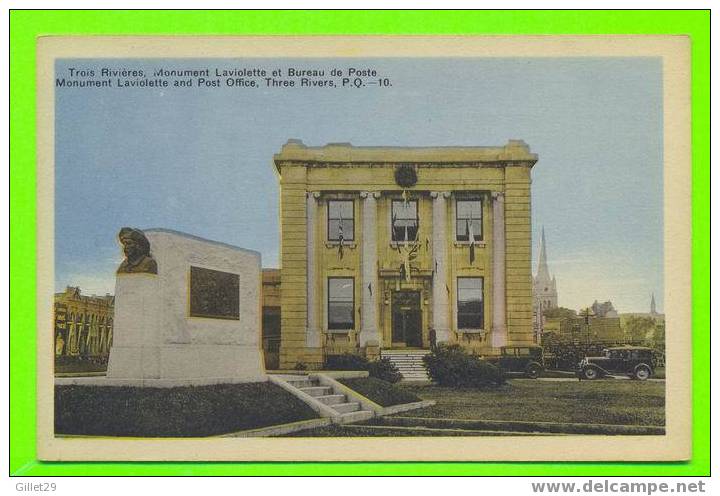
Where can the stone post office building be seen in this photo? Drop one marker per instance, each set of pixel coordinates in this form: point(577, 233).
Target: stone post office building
point(387, 248)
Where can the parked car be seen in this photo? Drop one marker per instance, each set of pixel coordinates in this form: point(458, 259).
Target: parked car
point(635, 362)
point(527, 360)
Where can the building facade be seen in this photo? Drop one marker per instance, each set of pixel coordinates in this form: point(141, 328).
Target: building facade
point(83, 324)
point(401, 248)
point(271, 318)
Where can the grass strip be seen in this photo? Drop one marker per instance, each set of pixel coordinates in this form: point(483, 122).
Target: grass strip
point(174, 412)
point(381, 392)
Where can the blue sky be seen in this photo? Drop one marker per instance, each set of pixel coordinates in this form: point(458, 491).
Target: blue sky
point(200, 161)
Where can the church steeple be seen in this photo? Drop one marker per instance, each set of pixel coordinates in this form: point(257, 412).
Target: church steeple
point(544, 285)
point(543, 273)
point(653, 308)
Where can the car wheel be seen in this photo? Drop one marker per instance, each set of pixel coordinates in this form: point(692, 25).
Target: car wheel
point(642, 372)
point(533, 371)
point(590, 373)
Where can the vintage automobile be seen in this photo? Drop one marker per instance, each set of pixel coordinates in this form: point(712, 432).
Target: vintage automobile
point(635, 362)
point(527, 360)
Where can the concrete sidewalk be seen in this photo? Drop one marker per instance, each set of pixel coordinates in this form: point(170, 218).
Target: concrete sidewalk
point(575, 379)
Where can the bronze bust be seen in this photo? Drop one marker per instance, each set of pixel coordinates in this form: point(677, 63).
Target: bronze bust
point(136, 248)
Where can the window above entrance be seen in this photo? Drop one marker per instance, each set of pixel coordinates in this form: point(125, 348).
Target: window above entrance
point(341, 220)
point(404, 220)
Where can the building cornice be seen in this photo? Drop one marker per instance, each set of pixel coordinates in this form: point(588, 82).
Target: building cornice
point(514, 153)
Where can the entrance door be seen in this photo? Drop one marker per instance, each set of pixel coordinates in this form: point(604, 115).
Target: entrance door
point(406, 318)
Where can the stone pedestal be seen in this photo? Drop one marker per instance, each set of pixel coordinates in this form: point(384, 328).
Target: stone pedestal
point(197, 321)
point(136, 343)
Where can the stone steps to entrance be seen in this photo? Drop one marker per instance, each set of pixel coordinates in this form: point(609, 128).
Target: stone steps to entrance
point(316, 390)
point(405, 351)
point(332, 399)
point(336, 404)
point(409, 363)
point(359, 416)
point(346, 407)
point(301, 383)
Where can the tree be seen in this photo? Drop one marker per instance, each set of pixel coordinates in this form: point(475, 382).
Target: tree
point(658, 337)
point(638, 328)
point(559, 313)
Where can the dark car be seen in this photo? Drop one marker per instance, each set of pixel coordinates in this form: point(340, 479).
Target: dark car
point(527, 360)
point(635, 362)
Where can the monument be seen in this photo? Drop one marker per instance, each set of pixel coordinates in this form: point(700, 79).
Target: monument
point(187, 312)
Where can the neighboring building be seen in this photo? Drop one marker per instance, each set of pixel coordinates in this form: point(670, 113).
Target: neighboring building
point(586, 329)
point(83, 324)
point(393, 248)
point(544, 291)
point(604, 310)
point(271, 317)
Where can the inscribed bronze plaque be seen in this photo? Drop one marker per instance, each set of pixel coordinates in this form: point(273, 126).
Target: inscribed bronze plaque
point(214, 294)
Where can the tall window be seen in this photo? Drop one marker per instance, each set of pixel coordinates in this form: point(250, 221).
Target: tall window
point(470, 313)
point(341, 303)
point(404, 220)
point(468, 217)
point(341, 220)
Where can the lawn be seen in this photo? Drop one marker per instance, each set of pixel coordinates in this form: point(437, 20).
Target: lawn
point(381, 392)
point(597, 402)
point(174, 412)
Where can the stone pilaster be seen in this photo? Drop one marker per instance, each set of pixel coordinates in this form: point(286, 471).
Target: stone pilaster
point(369, 332)
point(312, 334)
point(441, 305)
point(499, 326)
point(518, 248)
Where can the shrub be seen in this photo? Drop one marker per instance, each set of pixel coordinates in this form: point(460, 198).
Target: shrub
point(382, 369)
point(450, 365)
point(346, 361)
point(385, 370)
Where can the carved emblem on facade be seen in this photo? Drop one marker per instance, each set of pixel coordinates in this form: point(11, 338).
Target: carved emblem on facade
point(405, 176)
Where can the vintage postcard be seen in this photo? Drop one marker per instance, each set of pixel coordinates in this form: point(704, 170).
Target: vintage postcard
point(364, 248)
